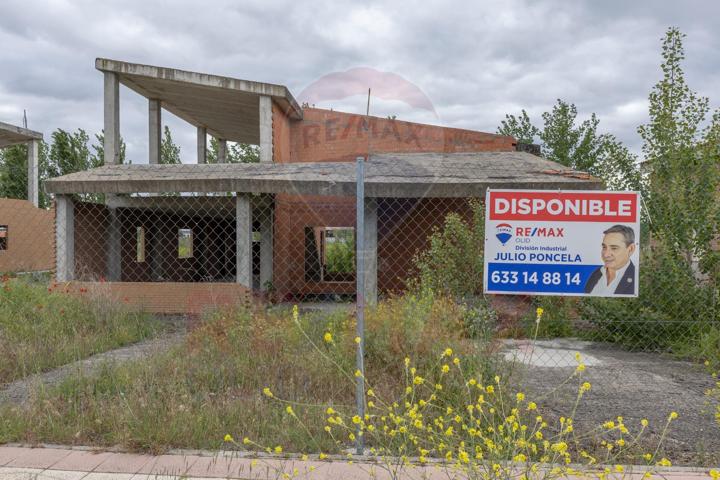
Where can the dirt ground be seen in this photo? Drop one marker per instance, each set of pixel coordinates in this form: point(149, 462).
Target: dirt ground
point(628, 384)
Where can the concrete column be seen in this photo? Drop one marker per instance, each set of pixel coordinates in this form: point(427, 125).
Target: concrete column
point(114, 273)
point(266, 244)
point(370, 251)
point(243, 233)
point(201, 145)
point(111, 145)
point(155, 129)
point(64, 238)
point(33, 172)
point(222, 150)
point(266, 127)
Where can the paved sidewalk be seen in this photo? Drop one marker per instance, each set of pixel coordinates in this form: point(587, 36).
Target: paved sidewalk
point(57, 463)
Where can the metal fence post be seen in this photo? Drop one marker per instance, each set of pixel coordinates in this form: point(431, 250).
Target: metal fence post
point(360, 295)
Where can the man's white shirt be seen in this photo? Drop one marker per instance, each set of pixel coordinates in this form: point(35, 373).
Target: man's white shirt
point(602, 287)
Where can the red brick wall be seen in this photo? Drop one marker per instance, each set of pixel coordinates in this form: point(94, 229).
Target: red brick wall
point(165, 297)
point(281, 135)
point(325, 135)
point(31, 237)
point(91, 233)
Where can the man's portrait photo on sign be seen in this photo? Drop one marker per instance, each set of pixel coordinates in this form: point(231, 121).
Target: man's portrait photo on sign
point(616, 276)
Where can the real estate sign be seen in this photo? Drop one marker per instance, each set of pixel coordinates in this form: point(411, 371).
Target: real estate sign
point(577, 242)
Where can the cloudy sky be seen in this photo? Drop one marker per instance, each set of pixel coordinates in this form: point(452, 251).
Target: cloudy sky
point(475, 61)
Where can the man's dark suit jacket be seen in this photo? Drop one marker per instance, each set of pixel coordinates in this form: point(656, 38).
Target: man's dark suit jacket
point(626, 286)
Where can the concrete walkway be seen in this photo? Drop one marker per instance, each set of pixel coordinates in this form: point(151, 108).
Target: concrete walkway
point(19, 390)
point(24, 463)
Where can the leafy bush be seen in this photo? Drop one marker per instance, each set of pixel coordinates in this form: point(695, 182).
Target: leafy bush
point(558, 317)
point(453, 263)
point(674, 307)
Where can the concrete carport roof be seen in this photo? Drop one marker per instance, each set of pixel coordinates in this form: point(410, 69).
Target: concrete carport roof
point(227, 107)
point(388, 175)
point(12, 135)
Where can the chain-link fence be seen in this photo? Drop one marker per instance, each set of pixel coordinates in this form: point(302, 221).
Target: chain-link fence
point(192, 252)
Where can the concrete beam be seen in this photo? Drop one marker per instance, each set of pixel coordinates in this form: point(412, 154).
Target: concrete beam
point(389, 175)
point(370, 256)
point(64, 238)
point(266, 127)
point(113, 246)
point(154, 130)
point(111, 146)
point(178, 81)
point(201, 145)
point(12, 135)
point(33, 172)
point(222, 150)
point(243, 232)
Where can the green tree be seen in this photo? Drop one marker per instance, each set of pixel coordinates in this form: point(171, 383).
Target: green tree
point(236, 152)
point(521, 128)
point(682, 158)
point(70, 153)
point(98, 155)
point(13, 172)
point(169, 151)
point(578, 146)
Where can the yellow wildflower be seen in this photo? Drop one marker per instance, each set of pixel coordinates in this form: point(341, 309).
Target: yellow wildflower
point(358, 373)
point(278, 449)
point(289, 410)
point(246, 441)
point(322, 456)
point(267, 392)
point(356, 420)
point(532, 406)
point(328, 337)
point(673, 415)
point(330, 411)
point(644, 422)
point(418, 380)
point(490, 389)
point(664, 462)
point(407, 362)
point(539, 311)
point(371, 393)
point(456, 361)
point(445, 368)
point(448, 352)
point(520, 397)
point(357, 340)
point(228, 438)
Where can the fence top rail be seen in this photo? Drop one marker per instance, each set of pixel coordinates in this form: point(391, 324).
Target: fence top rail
point(387, 175)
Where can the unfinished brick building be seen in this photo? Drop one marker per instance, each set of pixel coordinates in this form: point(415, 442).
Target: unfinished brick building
point(26, 231)
point(285, 224)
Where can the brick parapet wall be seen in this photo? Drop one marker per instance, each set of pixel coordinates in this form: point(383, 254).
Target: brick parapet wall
point(164, 297)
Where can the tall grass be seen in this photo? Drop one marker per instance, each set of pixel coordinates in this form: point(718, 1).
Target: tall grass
point(192, 395)
point(42, 328)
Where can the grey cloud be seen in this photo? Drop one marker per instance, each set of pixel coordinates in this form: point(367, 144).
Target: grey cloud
point(476, 61)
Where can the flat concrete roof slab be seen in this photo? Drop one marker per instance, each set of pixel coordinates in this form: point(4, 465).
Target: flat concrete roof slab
point(227, 107)
point(12, 135)
point(454, 175)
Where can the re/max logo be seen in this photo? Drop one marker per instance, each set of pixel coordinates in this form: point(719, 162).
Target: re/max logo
point(539, 232)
